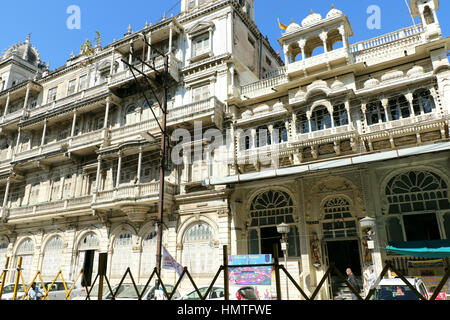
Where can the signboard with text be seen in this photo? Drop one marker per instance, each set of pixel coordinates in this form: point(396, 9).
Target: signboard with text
point(248, 275)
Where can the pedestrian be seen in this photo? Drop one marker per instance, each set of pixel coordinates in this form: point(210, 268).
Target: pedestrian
point(35, 293)
point(353, 282)
point(370, 279)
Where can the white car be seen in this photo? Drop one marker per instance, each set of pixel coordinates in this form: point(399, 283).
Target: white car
point(218, 293)
point(8, 292)
point(127, 291)
point(58, 290)
point(397, 289)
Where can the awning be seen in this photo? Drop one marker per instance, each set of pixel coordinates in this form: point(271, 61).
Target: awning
point(423, 249)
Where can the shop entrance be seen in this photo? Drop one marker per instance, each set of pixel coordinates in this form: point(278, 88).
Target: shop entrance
point(344, 254)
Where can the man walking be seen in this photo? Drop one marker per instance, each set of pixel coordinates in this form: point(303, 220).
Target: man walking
point(35, 293)
point(353, 282)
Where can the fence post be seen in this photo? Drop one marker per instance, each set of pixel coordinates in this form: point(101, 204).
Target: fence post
point(226, 284)
point(2, 285)
point(16, 283)
point(277, 270)
point(102, 263)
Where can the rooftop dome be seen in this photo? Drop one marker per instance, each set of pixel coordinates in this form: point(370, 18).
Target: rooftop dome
point(311, 19)
point(25, 51)
point(293, 27)
point(334, 12)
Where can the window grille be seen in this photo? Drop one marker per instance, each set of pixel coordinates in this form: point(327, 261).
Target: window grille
point(338, 221)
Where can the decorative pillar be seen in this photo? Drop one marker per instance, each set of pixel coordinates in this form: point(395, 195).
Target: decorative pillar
point(347, 108)
point(410, 98)
point(323, 36)
point(27, 96)
point(111, 67)
point(302, 44)
point(130, 55)
point(294, 125)
point(344, 37)
point(97, 177)
point(254, 142)
point(8, 99)
point(74, 123)
point(16, 151)
point(272, 138)
point(149, 49)
point(139, 168)
point(286, 54)
point(385, 104)
point(44, 131)
point(310, 121)
point(171, 36)
point(108, 103)
point(5, 199)
point(119, 165)
point(364, 113)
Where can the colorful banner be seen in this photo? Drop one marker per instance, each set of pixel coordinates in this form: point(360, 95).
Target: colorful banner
point(170, 263)
point(248, 275)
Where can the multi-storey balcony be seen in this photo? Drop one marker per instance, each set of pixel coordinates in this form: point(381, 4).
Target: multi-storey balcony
point(59, 208)
point(373, 51)
point(266, 86)
point(123, 77)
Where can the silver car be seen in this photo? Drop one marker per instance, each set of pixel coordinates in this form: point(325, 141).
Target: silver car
point(8, 292)
point(127, 291)
point(58, 290)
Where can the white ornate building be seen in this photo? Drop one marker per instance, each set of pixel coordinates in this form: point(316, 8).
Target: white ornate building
point(340, 132)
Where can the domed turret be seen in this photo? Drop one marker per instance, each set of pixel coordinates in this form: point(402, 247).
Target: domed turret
point(334, 12)
point(293, 27)
point(25, 51)
point(311, 19)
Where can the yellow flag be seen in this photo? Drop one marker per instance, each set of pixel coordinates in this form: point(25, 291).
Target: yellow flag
point(281, 25)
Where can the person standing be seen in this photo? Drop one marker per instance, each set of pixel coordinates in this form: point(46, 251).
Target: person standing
point(35, 293)
point(353, 282)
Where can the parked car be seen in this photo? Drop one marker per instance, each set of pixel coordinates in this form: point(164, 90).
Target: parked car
point(58, 291)
point(8, 292)
point(218, 293)
point(93, 294)
point(127, 291)
point(396, 289)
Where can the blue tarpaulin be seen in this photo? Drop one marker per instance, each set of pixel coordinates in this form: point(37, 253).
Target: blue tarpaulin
point(423, 249)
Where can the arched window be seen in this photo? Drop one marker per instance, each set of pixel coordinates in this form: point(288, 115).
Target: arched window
point(280, 132)
point(423, 102)
point(130, 115)
point(340, 115)
point(3, 251)
point(263, 137)
point(428, 15)
point(399, 108)
point(245, 140)
point(146, 112)
point(338, 221)
point(302, 123)
point(320, 119)
point(87, 255)
point(52, 259)
point(416, 198)
point(268, 210)
point(26, 251)
point(199, 252)
point(148, 257)
point(375, 113)
point(121, 256)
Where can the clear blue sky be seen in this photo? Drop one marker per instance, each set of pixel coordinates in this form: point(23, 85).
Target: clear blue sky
point(46, 20)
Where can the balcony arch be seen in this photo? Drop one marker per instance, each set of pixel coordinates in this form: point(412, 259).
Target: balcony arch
point(423, 102)
point(314, 46)
point(294, 52)
point(399, 108)
point(375, 112)
point(334, 40)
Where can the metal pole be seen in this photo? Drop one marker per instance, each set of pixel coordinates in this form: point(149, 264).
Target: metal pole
point(162, 167)
point(285, 265)
point(16, 283)
point(277, 270)
point(2, 285)
point(226, 284)
point(102, 263)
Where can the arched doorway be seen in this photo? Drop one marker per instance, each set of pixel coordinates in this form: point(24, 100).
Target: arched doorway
point(87, 257)
point(267, 210)
point(341, 243)
point(52, 259)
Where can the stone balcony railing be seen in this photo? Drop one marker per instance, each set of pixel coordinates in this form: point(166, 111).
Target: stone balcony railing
point(195, 109)
point(389, 46)
point(384, 127)
point(71, 143)
point(321, 59)
point(143, 192)
point(51, 207)
point(265, 86)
